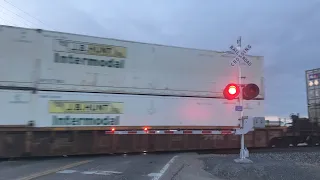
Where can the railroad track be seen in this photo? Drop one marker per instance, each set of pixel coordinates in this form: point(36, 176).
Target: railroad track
point(218, 151)
point(263, 150)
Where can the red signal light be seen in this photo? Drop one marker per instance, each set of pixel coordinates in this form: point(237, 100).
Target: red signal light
point(250, 91)
point(113, 129)
point(231, 91)
point(145, 129)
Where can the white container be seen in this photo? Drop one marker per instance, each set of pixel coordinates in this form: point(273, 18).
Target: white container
point(19, 53)
point(16, 107)
point(70, 62)
point(45, 108)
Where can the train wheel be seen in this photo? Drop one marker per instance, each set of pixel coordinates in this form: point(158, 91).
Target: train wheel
point(312, 141)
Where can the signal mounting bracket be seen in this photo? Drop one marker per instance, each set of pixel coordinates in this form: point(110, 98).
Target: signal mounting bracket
point(249, 124)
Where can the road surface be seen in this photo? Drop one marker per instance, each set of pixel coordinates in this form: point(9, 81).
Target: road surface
point(304, 164)
point(121, 167)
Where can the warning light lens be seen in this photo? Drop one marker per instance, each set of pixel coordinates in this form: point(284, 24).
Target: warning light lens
point(146, 129)
point(250, 91)
point(113, 129)
point(232, 90)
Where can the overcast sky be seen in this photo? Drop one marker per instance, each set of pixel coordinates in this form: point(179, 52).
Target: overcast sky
point(285, 32)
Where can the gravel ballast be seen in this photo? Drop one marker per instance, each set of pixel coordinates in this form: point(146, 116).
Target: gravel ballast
point(266, 166)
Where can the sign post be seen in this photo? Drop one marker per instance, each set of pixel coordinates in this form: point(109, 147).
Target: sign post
point(240, 56)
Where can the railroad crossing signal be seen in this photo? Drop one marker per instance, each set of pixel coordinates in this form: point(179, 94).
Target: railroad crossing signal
point(231, 91)
point(249, 91)
point(240, 55)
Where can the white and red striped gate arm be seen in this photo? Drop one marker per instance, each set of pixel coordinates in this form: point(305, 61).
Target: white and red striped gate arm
point(173, 132)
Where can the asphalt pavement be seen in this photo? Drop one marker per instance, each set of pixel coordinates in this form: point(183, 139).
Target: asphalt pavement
point(265, 166)
point(119, 167)
point(184, 166)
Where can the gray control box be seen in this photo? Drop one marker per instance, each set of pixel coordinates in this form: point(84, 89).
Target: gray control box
point(259, 122)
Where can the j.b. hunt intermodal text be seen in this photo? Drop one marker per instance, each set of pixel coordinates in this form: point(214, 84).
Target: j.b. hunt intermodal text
point(71, 59)
point(67, 120)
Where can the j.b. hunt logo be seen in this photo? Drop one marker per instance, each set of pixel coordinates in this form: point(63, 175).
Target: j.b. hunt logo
point(67, 120)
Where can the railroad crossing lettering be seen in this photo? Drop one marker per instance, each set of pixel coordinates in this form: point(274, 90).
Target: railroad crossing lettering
point(240, 55)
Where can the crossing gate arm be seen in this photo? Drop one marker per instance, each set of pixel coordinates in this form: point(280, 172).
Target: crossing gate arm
point(223, 132)
point(249, 124)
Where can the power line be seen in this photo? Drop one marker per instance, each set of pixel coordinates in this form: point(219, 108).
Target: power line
point(27, 14)
point(5, 21)
point(17, 15)
point(3, 12)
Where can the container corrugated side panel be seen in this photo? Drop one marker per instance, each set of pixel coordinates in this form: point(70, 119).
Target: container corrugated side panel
point(19, 55)
point(137, 110)
point(147, 68)
point(16, 107)
point(313, 94)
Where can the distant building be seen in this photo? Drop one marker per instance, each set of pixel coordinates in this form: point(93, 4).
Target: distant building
point(313, 94)
point(274, 123)
point(277, 121)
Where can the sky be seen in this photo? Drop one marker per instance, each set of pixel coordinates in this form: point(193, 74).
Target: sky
point(286, 32)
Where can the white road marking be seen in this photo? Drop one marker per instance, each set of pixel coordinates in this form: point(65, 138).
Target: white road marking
point(67, 171)
point(154, 174)
point(88, 172)
point(157, 176)
point(103, 173)
point(114, 172)
point(106, 173)
point(44, 173)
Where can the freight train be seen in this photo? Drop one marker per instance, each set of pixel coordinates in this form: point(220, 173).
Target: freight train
point(69, 94)
point(304, 130)
point(300, 131)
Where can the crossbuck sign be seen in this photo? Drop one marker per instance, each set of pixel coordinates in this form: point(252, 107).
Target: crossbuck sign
point(240, 55)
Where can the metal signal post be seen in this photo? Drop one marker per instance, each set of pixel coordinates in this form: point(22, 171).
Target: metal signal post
point(242, 150)
point(242, 92)
point(240, 56)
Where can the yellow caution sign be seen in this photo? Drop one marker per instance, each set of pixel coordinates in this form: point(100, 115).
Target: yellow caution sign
point(107, 50)
point(91, 49)
point(85, 107)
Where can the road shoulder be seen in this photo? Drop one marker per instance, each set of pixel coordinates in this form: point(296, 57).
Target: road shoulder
point(188, 167)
